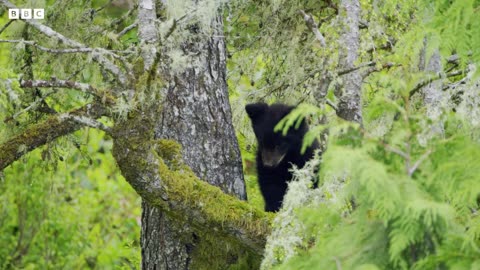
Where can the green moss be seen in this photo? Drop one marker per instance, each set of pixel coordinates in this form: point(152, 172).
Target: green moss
point(216, 252)
point(170, 151)
point(217, 205)
point(213, 250)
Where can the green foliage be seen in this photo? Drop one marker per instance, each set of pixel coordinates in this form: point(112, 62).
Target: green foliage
point(67, 209)
point(388, 202)
point(401, 191)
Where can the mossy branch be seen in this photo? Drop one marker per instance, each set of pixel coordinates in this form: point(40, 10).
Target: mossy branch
point(37, 135)
point(155, 170)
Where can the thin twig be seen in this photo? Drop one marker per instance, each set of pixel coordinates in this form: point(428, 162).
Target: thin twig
point(104, 6)
point(6, 25)
point(33, 105)
point(418, 162)
point(128, 28)
point(348, 70)
point(432, 79)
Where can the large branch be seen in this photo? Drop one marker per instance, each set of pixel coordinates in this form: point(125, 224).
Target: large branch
point(39, 134)
point(155, 170)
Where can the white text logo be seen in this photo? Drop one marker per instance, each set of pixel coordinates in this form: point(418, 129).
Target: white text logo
point(26, 13)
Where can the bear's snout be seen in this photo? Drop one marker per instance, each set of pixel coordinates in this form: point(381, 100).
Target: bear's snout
point(271, 158)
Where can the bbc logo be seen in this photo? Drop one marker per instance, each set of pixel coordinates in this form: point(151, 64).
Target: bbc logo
point(26, 13)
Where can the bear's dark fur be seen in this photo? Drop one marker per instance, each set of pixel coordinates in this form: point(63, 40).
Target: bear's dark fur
point(276, 153)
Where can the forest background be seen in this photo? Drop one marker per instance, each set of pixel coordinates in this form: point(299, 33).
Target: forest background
point(391, 88)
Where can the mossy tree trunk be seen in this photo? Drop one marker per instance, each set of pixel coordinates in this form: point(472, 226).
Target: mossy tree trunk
point(187, 223)
point(196, 113)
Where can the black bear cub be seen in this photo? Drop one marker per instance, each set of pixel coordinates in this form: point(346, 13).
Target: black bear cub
point(276, 153)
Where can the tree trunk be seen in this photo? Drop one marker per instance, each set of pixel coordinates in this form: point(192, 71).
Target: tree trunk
point(196, 113)
point(350, 99)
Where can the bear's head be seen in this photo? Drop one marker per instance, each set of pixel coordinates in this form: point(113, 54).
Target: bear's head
point(274, 146)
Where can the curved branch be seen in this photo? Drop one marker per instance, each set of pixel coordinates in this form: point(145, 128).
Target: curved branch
point(155, 170)
point(37, 135)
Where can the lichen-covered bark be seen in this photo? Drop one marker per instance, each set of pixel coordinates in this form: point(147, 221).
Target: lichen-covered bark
point(432, 93)
point(195, 113)
point(350, 104)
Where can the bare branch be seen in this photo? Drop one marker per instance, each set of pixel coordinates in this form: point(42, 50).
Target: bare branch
point(433, 78)
point(374, 68)
point(45, 49)
point(418, 162)
point(128, 28)
point(39, 134)
point(86, 121)
point(32, 106)
point(331, 104)
point(49, 32)
point(384, 145)
point(313, 27)
point(6, 25)
point(348, 70)
point(83, 87)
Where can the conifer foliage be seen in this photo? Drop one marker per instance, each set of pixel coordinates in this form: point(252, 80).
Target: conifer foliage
point(401, 190)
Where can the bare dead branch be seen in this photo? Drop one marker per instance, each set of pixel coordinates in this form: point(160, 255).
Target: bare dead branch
point(128, 28)
point(313, 27)
point(83, 87)
point(348, 70)
point(434, 78)
point(418, 162)
point(374, 68)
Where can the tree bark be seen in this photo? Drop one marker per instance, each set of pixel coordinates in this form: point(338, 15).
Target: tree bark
point(196, 113)
point(350, 103)
point(432, 92)
point(181, 213)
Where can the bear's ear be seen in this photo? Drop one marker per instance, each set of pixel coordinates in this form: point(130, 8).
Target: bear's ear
point(255, 110)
